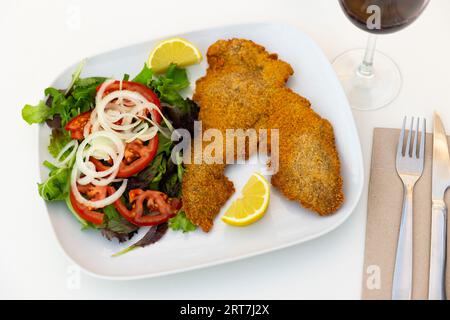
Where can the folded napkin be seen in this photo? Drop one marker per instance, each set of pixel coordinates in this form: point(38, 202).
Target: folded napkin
point(383, 220)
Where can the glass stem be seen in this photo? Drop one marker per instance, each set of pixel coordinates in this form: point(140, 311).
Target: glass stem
point(366, 67)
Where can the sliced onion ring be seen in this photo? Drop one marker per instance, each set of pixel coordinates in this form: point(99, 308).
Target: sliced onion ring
point(81, 155)
point(72, 144)
point(95, 204)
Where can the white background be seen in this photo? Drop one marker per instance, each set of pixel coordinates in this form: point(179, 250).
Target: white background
point(41, 38)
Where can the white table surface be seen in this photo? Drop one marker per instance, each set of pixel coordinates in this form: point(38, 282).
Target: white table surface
point(40, 38)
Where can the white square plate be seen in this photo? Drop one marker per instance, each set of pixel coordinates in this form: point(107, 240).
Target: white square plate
point(285, 223)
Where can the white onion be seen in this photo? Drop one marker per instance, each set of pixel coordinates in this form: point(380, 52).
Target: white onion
point(102, 89)
point(72, 144)
point(161, 129)
point(101, 148)
point(128, 106)
point(144, 133)
point(141, 105)
point(95, 204)
point(82, 155)
point(103, 181)
point(86, 179)
point(167, 122)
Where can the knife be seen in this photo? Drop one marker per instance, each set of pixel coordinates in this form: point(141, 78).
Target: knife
point(441, 181)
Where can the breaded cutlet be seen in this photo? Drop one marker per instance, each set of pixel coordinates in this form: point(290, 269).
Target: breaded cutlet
point(309, 166)
point(244, 87)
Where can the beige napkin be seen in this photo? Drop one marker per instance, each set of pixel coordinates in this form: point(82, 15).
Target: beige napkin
point(383, 220)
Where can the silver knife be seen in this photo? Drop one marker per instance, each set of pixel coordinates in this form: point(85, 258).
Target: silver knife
point(441, 181)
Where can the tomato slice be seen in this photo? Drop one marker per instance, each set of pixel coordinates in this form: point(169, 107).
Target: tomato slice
point(137, 157)
point(77, 124)
point(94, 193)
point(156, 201)
point(146, 92)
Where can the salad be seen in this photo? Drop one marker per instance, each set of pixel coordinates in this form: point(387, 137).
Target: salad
point(111, 144)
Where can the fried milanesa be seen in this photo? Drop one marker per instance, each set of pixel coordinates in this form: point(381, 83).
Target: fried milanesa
point(205, 190)
point(236, 91)
point(309, 166)
point(235, 94)
point(245, 88)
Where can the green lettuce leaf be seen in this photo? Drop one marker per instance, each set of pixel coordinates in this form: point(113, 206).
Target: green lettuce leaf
point(145, 76)
point(86, 88)
point(37, 114)
point(79, 97)
point(164, 145)
point(176, 78)
point(58, 139)
point(168, 85)
point(57, 186)
point(181, 223)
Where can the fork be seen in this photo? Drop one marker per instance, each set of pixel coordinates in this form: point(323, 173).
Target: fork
point(409, 164)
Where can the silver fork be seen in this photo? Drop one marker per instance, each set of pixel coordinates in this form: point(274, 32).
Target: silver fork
point(409, 163)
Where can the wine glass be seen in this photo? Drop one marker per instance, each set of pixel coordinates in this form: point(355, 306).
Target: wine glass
point(374, 82)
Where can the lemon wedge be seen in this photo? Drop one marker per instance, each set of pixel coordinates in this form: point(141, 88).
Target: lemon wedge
point(174, 50)
point(252, 204)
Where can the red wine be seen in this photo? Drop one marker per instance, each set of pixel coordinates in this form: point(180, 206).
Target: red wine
point(394, 15)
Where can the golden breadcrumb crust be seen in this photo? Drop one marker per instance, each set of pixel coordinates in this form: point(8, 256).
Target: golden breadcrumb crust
point(245, 88)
